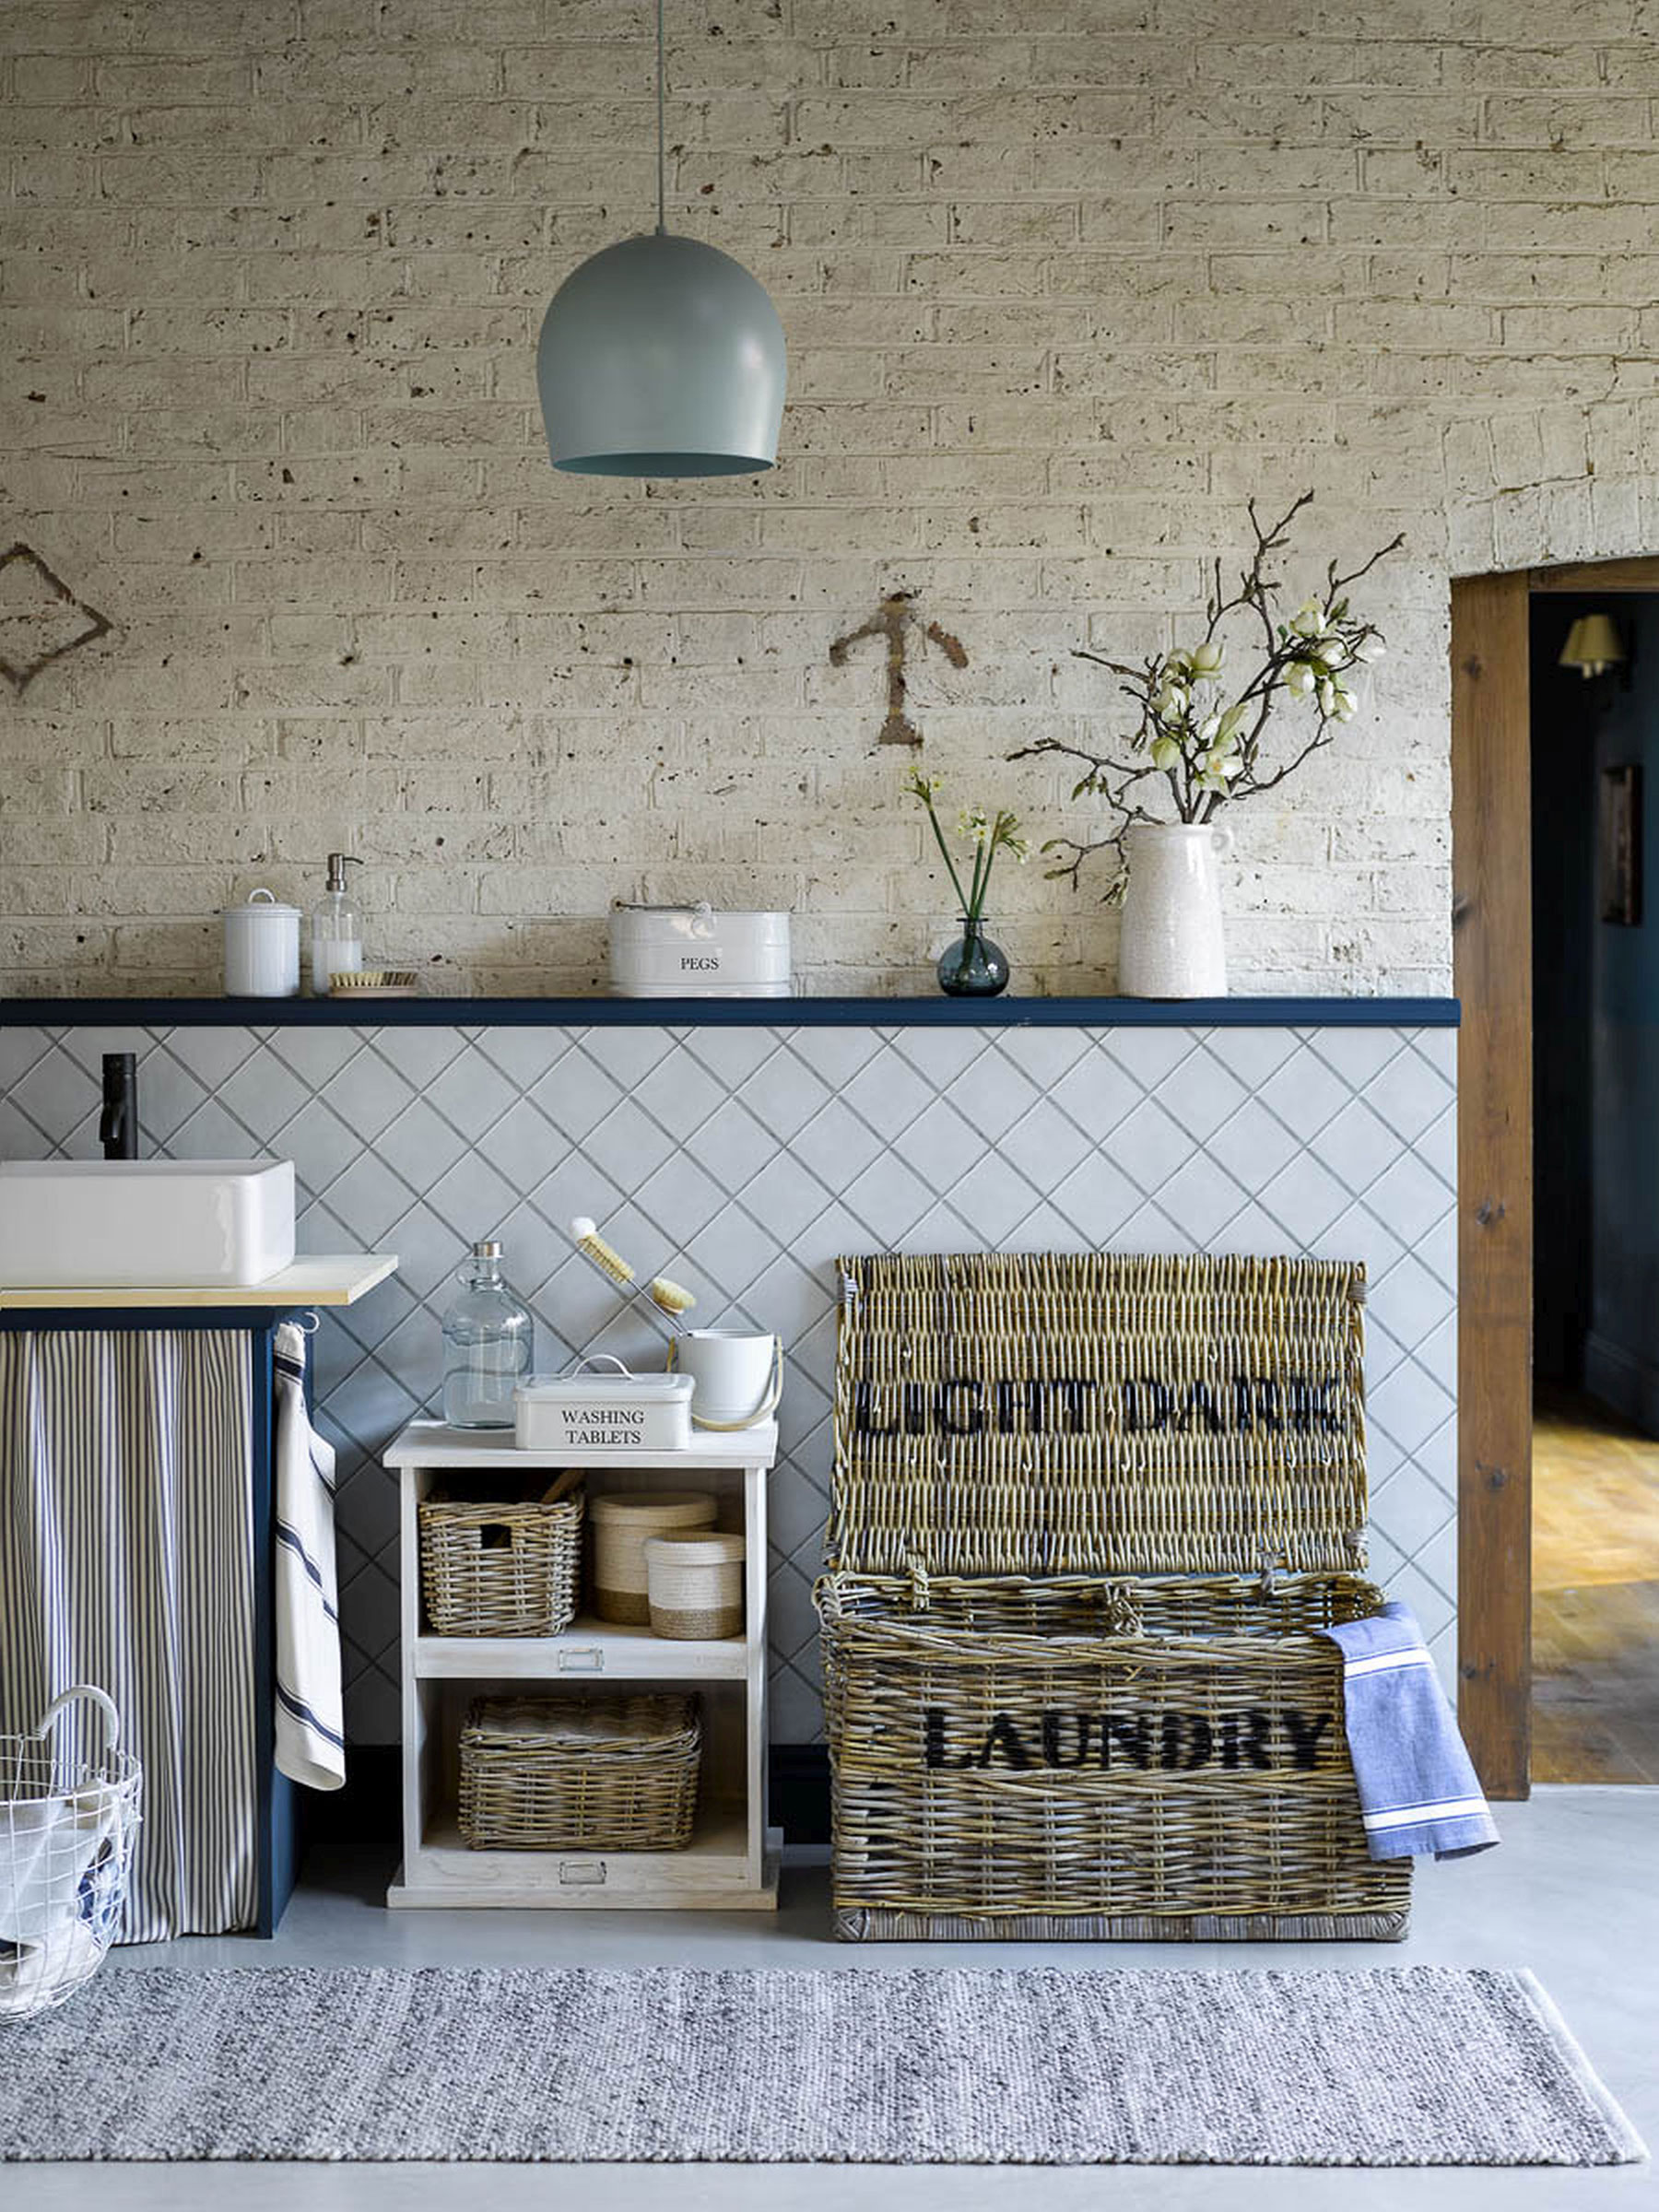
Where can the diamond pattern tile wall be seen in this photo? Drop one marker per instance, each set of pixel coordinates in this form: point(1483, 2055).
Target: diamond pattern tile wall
point(741, 1160)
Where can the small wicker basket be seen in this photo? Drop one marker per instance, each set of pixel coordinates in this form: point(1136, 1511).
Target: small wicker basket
point(500, 1570)
point(696, 1584)
point(601, 1773)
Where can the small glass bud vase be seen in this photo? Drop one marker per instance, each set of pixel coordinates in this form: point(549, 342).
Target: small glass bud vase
point(973, 966)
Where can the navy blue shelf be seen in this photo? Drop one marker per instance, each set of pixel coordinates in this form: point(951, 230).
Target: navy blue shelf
point(937, 1012)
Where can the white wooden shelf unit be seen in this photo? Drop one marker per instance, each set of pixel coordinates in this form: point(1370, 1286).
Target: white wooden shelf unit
point(732, 1861)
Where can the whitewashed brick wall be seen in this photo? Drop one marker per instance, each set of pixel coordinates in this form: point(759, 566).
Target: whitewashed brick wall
point(1063, 281)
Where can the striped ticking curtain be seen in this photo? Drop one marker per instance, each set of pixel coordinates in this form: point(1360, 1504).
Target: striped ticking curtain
point(126, 1560)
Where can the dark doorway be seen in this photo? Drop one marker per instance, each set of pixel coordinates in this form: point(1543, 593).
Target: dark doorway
point(1596, 1182)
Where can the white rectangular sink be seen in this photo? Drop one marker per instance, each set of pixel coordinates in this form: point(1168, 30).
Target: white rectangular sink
point(129, 1222)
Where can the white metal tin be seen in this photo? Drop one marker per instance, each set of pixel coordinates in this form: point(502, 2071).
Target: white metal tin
point(693, 951)
point(611, 1412)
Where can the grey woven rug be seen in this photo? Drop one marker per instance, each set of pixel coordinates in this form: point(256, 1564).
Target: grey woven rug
point(1418, 2066)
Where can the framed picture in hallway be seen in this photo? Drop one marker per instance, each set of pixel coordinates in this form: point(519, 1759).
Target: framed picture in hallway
point(1621, 844)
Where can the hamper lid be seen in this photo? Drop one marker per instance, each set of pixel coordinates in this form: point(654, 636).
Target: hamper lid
point(1045, 1413)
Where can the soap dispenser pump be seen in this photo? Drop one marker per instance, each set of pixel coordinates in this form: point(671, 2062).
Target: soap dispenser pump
point(336, 929)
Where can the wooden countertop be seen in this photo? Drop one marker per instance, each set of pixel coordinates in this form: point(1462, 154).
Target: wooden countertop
point(335, 1278)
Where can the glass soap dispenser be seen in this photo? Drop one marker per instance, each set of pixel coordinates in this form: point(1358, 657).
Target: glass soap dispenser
point(336, 929)
point(489, 1340)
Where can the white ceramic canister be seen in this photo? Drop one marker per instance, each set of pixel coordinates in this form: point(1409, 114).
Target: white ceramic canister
point(261, 948)
point(694, 1580)
point(621, 1521)
point(1171, 943)
point(738, 1377)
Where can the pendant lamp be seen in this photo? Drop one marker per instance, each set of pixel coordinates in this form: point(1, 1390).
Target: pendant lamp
point(660, 356)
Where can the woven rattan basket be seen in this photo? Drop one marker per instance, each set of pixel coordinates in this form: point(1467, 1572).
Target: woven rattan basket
point(575, 1773)
point(1089, 1515)
point(499, 1570)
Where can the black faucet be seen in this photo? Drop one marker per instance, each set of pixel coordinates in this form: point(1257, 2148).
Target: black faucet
point(118, 1124)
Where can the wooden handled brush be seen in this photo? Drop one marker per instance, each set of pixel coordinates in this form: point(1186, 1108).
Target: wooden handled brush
point(665, 1296)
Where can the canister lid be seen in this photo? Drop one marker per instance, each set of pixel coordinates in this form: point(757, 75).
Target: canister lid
point(258, 905)
point(598, 1388)
point(657, 1505)
point(698, 1546)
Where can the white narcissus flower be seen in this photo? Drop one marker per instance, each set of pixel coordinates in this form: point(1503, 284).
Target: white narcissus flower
point(1205, 659)
point(1298, 679)
point(1327, 695)
point(1308, 621)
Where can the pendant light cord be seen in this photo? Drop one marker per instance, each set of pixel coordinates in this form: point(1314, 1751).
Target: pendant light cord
point(662, 159)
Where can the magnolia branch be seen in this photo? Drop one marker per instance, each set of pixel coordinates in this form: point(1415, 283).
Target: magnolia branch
point(1188, 734)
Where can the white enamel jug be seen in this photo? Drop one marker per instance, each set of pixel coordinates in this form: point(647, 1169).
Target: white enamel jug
point(1171, 944)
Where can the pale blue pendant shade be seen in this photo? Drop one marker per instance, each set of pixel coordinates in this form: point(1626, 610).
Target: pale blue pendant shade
point(660, 356)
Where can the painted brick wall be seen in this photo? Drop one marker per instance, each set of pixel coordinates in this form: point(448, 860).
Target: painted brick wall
point(1063, 283)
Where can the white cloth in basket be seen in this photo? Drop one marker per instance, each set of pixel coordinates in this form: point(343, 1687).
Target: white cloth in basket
point(39, 1970)
point(46, 1846)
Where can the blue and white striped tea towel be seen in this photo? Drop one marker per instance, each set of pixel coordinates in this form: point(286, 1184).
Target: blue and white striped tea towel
point(1417, 1792)
point(311, 1735)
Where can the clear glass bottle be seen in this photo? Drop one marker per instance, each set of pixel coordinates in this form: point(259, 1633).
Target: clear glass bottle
point(336, 930)
point(488, 1343)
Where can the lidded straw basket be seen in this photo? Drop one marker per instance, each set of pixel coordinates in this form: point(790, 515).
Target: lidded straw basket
point(1089, 1515)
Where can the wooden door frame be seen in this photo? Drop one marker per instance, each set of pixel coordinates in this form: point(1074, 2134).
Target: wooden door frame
point(1491, 872)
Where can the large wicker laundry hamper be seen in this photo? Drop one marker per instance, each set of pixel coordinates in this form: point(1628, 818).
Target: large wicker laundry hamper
point(1089, 1513)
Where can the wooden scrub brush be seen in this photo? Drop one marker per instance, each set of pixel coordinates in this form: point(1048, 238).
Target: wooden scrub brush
point(666, 1296)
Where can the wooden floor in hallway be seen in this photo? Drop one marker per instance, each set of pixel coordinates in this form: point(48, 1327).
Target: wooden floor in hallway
point(1595, 1595)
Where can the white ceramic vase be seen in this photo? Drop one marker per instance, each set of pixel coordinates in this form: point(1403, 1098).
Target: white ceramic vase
point(1173, 945)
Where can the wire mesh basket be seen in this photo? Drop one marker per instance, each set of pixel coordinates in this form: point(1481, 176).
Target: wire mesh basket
point(68, 1827)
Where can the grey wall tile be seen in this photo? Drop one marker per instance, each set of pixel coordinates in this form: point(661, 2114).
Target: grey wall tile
point(749, 1158)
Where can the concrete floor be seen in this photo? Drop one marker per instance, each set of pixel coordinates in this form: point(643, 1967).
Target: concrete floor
point(1572, 1893)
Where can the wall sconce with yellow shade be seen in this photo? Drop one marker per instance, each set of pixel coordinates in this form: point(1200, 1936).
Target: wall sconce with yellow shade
point(1592, 646)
